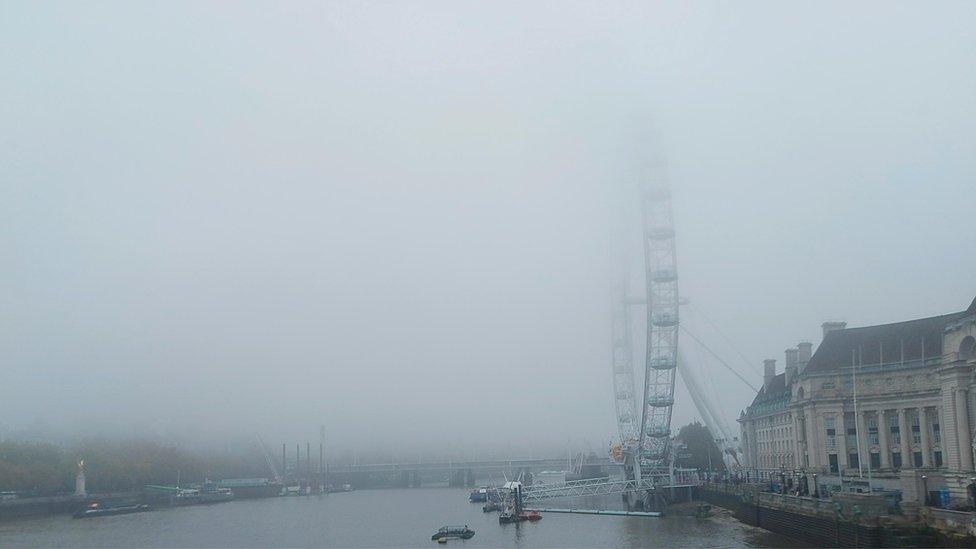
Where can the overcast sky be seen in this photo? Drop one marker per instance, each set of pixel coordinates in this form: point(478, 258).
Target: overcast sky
point(393, 219)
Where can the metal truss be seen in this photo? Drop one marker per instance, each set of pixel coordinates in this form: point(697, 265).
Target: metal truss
point(603, 487)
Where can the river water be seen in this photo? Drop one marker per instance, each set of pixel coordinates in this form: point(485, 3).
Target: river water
point(376, 518)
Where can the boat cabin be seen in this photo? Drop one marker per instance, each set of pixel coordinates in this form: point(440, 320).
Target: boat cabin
point(462, 532)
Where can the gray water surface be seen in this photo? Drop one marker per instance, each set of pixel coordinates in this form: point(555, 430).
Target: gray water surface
point(374, 518)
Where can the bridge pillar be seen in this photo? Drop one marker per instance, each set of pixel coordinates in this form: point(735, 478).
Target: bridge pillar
point(469, 478)
point(655, 501)
point(456, 478)
point(633, 501)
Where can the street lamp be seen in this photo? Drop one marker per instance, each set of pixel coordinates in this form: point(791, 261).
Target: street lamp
point(925, 490)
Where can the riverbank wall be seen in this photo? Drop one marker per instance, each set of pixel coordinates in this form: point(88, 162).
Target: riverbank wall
point(59, 505)
point(846, 520)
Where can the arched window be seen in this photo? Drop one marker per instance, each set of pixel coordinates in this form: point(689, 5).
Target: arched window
point(967, 349)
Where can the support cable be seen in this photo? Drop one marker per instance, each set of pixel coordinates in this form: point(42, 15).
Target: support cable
point(703, 368)
point(711, 352)
point(727, 339)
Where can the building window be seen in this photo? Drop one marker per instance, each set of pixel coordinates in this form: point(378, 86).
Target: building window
point(896, 460)
point(831, 433)
point(936, 433)
point(937, 457)
point(832, 460)
point(852, 460)
point(827, 385)
point(873, 430)
point(916, 430)
point(850, 429)
point(875, 461)
point(894, 429)
point(917, 456)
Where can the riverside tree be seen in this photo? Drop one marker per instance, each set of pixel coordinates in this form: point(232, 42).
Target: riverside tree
point(699, 448)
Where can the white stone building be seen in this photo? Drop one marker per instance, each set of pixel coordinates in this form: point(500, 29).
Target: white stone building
point(915, 405)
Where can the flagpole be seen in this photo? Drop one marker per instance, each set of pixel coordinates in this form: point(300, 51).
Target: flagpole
point(857, 431)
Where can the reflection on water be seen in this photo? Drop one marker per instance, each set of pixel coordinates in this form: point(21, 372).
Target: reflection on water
point(378, 518)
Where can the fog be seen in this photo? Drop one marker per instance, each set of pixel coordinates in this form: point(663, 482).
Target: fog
point(394, 219)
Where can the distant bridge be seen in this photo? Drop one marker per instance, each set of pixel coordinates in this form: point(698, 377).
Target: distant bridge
point(493, 465)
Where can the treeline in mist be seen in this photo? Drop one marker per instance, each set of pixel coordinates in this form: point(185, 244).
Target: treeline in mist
point(34, 468)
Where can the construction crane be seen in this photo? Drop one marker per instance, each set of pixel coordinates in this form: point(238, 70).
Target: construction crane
point(267, 457)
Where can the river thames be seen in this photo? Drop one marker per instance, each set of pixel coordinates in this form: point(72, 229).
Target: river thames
point(375, 518)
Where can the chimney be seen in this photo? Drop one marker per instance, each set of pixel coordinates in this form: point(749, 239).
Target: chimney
point(804, 352)
point(832, 326)
point(769, 372)
point(792, 365)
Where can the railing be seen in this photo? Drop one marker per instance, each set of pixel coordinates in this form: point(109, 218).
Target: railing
point(603, 487)
point(754, 493)
point(960, 522)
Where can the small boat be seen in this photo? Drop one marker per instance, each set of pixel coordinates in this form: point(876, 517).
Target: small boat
point(447, 532)
point(508, 517)
point(95, 509)
point(478, 496)
point(492, 506)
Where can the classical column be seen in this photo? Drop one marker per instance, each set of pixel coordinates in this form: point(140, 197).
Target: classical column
point(863, 447)
point(797, 442)
point(841, 442)
point(749, 441)
point(813, 449)
point(883, 439)
point(963, 432)
point(906, 449)
point(755, 445)
point(923, 426)
point(943, 434)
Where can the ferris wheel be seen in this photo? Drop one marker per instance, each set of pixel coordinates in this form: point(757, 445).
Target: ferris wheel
point(625, 397)
point(661, 279)
point(647, 445)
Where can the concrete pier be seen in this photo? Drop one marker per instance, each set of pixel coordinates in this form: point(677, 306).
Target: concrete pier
point(599, 512)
